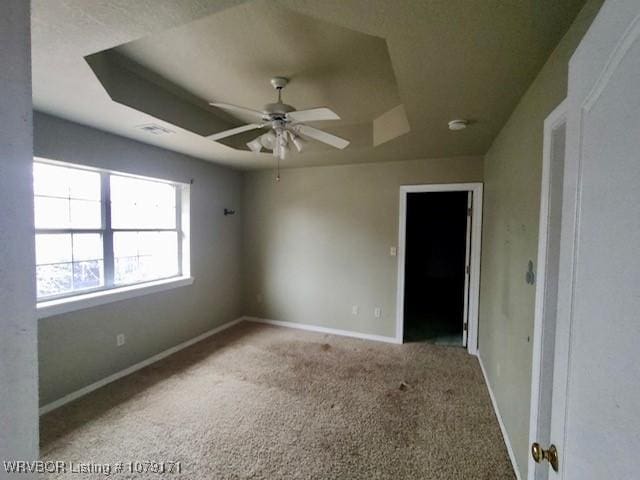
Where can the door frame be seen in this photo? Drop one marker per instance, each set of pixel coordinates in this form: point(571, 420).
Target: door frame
point(554, 120)
point(476, 188)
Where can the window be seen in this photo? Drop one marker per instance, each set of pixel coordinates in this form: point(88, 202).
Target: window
point(99, 230)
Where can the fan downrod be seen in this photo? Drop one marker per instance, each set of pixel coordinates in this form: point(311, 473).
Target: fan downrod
point(277, 110)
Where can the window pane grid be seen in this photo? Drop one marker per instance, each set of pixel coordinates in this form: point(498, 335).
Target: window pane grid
point(66, 197)
point(68, 262)
point(144, 255)
point(63, 263)
point(78, 249)
point(142, 204)
point(64, 182)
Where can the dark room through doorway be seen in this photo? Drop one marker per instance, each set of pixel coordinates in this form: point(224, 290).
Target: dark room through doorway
point(436, 286)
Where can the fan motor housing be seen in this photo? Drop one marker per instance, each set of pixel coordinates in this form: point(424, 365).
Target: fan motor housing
point(278, 108)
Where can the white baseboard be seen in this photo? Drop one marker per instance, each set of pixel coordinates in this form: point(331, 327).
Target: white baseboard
point(127, 371)
point(331, 331)
point(159, 356)
point(503, 429)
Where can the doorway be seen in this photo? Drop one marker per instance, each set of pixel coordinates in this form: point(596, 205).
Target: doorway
point(438, 264)
point(435, 267)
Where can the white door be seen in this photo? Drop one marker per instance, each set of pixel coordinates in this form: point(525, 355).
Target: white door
point(595, 420)
point(544, 331)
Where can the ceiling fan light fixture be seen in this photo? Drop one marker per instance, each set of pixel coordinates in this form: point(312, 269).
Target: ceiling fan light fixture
point(283, 151)
point(297, 142)
point(281, 147)
point(268, 140)
point(255, 145)
point(287, 126)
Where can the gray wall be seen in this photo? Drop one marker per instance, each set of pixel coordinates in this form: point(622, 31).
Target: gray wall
point(18, 354)
point(155, 322)
point(318, 241)
point(512, 173)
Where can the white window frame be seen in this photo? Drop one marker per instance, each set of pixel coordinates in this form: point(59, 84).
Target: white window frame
point(110, 292)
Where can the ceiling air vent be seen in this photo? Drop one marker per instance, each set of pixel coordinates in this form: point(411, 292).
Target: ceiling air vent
point(154, 129)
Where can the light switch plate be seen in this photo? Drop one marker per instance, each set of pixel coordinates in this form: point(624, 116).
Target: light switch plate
point(393, 251)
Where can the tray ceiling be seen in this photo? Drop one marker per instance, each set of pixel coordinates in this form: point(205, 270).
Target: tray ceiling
point(119, 64)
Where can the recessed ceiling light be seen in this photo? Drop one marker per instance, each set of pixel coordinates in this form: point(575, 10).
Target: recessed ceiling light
point(457, 124)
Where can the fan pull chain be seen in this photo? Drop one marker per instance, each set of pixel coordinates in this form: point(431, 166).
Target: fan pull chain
point(278, 168)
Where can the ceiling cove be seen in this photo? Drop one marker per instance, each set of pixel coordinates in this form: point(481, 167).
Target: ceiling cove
point(395, 72)
point(173, 75)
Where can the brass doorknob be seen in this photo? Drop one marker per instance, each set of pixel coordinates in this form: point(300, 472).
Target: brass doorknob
point(539, 454)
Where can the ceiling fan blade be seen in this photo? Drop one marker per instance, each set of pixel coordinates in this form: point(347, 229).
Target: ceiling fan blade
point(239, 110)
point(312, 115)
point(323, 137)
point(234, 131)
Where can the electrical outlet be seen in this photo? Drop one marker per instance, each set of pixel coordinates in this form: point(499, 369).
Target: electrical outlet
point(377, 312)
point(393, 251)
point(120, 339)
point(354, 310)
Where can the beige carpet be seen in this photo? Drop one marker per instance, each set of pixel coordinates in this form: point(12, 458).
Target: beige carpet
point(264, 402)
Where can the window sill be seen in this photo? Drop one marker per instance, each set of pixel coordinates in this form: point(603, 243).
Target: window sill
point(79, 302)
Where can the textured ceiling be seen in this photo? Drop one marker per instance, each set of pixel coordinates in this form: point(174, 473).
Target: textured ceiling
point(326, 65)
point(441, 59)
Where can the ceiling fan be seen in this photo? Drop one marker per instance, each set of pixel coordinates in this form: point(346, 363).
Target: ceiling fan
point(285, 125)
